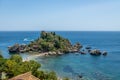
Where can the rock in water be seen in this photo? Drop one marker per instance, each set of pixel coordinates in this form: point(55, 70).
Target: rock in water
point(104, 53)
point(88, 47)
point(14, 49)
point(82, 52)
point(95, 52)
point(89, 50)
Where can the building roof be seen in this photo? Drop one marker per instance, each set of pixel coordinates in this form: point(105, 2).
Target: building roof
point(25, 76)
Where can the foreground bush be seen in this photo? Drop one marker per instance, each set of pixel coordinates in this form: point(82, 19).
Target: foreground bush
point(15, 66)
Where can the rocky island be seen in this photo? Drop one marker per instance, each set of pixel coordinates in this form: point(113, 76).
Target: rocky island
point(48, 42)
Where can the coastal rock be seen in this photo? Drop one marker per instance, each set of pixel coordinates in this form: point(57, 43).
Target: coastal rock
point(89, 51)
point(95, 52)
point(14, 49)
point(52, 53)
point(59, 53)
point(82, 52)
point(35, 47)
point(49, 53)
point(22, 48)
point(22, 51)
point(88, 47)
point(80, 76)
point(17, 48)
point(104, 53)
point(77, 46)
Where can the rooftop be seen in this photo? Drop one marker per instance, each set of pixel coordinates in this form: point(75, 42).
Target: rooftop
point(25, 76)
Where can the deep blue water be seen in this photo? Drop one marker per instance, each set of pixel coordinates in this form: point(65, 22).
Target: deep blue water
point(70, 65)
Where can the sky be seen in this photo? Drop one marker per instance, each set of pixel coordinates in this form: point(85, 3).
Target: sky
point(60, 15)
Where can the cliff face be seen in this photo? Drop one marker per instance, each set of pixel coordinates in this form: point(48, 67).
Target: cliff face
point(47, 42)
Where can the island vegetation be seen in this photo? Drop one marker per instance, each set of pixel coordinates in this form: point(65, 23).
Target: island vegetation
point(48, 42)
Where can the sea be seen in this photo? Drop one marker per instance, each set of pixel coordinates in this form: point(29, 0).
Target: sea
point(74, 65)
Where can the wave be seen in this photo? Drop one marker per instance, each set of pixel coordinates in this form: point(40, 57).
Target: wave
point(26, 39)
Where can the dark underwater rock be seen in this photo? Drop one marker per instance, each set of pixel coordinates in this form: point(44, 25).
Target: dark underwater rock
point(68, 69)
point(100, 76)
point(80, 76)
point(88, 47)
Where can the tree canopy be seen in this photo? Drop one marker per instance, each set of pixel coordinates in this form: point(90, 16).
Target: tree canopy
point(47, 42)
point(15, 66)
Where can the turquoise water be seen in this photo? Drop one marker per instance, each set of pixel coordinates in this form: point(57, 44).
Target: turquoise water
point(70, 65)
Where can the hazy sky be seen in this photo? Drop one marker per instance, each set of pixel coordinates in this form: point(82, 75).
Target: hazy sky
point(80, 15)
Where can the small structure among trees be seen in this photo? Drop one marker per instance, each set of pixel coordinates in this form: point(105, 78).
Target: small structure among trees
point(25, 76)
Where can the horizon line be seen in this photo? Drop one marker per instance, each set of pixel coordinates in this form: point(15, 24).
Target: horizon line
point(59, 30)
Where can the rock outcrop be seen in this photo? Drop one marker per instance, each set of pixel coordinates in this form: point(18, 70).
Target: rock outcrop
point(14, 49)
point(104, 53)
point(88, 47)
point(17, 48)
point(95, 52)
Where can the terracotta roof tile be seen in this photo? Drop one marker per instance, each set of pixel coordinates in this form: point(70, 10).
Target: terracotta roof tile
point(25, 76)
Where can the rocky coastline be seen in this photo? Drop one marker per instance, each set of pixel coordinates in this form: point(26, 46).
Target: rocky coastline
point(49, 43)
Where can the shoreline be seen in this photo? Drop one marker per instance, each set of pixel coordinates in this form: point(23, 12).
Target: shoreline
point(35, 54)
point(29, 57)
point(38, 54)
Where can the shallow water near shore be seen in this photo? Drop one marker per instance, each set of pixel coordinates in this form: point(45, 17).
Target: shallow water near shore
point(73, 65)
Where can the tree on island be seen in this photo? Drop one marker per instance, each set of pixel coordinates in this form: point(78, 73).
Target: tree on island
point(47, 42)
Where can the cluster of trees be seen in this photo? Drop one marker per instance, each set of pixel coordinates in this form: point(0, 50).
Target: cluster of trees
point(15, 66)
point(49, 41)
